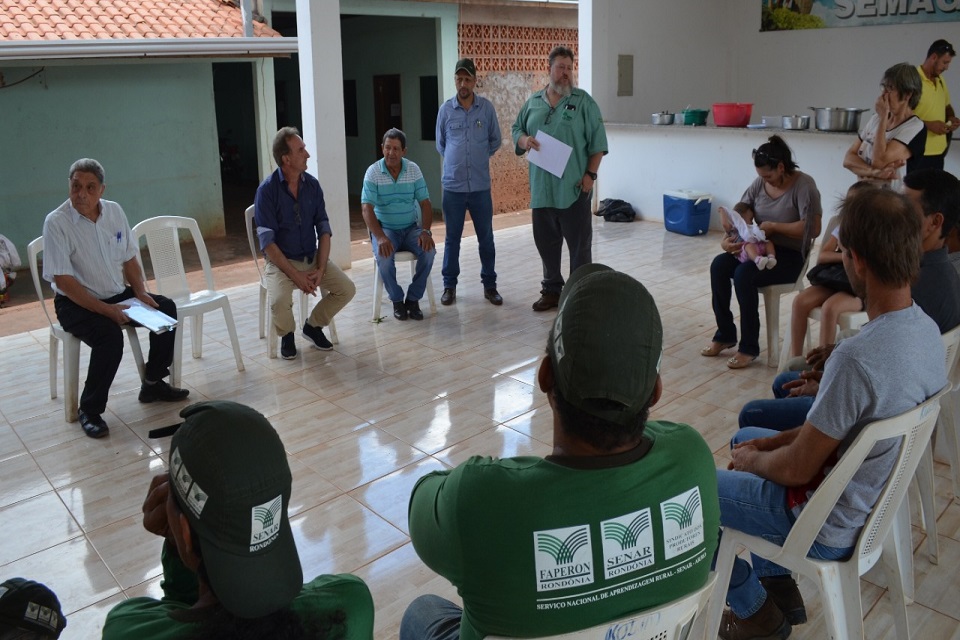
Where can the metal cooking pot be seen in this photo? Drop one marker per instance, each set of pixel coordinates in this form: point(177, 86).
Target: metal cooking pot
point(837, 118)
point(795, 122)
point(664, 117)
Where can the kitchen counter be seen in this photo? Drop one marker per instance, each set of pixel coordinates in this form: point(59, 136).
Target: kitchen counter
point(645, 160)
point(772, 130)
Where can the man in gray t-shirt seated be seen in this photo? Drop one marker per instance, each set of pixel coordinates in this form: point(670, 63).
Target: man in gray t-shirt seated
point(772, 474)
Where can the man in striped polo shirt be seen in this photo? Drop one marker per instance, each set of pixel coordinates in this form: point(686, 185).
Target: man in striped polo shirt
point(396, 208)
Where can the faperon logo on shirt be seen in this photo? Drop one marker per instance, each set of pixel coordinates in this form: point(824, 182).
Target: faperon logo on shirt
point(564, 557)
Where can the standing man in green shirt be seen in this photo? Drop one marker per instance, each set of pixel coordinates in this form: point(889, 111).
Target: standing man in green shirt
point(623, 515)
point(561, 205)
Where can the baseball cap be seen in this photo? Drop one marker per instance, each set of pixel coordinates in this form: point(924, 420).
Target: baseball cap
point(230, 475)
point(30, 606)
point(606, 344)
point(466, 64)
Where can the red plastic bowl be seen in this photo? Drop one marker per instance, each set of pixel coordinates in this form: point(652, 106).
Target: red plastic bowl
point(732, 114)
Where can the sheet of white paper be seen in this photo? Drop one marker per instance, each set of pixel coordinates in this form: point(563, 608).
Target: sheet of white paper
point(552, 156)
point(151, 318)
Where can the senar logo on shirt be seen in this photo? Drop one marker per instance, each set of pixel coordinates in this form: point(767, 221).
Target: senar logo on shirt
point(682, 518)
point(627, 543)
point(265, 523)
point(563, 557)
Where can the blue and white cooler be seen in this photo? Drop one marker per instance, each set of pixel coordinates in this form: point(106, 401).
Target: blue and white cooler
point(687, 212)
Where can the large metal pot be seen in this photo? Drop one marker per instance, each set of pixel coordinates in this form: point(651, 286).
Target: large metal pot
point(837, 118)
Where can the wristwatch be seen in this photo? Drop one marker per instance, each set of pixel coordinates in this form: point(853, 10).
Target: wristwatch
point(592, 174)
point(426, 231)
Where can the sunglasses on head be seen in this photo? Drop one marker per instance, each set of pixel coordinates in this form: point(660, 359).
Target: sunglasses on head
point(765, 158)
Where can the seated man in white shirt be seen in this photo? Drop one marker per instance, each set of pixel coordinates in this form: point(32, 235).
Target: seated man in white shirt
point(90, 259)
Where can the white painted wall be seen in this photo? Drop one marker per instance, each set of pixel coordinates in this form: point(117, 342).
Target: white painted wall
point(688, 52)
point(697, 53)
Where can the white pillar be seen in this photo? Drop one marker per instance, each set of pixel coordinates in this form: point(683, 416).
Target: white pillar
point(585, 41)
point(265, 113)
point(321, 100)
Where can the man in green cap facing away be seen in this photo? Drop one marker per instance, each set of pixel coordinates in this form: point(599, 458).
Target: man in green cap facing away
point(230, 562)
point(598, 529)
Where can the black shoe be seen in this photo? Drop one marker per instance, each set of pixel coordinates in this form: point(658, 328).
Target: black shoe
point(93, 425)
point(449, 296)
point(548, 300)
point(768, 623)
point(785, 594)
point(161, 391)
point(400, 311)
point(315, 336)
point(492, 295)
point(413, 309)
point(288, 347)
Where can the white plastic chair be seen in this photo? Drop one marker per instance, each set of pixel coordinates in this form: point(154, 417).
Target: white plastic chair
point(771, 308)
point(948, 428)
point(400, 256)
point(265, 313)
point(839, 581)
point(671, 621)
point(924, 475)
point(163, 241)
point(71, 344)
point(847, 321)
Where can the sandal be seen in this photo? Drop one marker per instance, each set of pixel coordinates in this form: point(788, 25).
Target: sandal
point(737, 363)
point(715, 348)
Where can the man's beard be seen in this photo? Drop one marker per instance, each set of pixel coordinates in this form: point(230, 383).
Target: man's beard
point(561, 90)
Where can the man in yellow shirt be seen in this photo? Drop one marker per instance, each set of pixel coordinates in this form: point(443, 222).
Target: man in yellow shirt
point(935, 109)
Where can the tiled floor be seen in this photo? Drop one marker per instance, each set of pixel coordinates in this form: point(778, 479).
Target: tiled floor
point(362, 423)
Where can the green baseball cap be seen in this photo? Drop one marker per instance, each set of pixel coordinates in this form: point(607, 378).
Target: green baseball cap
point(606, 344)
point(230, 475)
point(466, 64)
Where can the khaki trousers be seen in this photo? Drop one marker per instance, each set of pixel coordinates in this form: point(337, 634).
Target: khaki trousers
point(338, 289)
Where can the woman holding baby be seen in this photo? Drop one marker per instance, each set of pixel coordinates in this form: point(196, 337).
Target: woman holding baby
point(785, 204)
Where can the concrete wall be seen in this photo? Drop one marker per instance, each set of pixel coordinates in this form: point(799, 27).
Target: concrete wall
point(152, 126)
point(697, 53)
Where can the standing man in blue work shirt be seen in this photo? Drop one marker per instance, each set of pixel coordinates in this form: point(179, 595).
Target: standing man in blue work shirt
point(561, 206)
point(294, 234)
point(468, 133)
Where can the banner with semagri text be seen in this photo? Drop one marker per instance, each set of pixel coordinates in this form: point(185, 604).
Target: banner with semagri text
point(786, 15)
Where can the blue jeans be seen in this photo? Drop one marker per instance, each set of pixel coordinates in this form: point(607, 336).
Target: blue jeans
point(780, 414)
point(455, 205)
point(431, 617)
point(758, 507)
point(728, 274)
point(404, 240)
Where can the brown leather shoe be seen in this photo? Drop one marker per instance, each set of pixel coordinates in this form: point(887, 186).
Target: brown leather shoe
point(768, 623)
point(448, 297)
point(785, 594)
point(548, 300)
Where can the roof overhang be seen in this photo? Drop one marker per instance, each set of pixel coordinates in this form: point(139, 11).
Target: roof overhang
point(147, 48)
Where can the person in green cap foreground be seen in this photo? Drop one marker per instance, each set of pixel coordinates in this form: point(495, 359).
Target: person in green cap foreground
point(29, 611)
point(621, 517)
point(230, 563)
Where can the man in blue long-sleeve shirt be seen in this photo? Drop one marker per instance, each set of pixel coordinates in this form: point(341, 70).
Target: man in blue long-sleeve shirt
point(294, 234)
point(468, 133)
